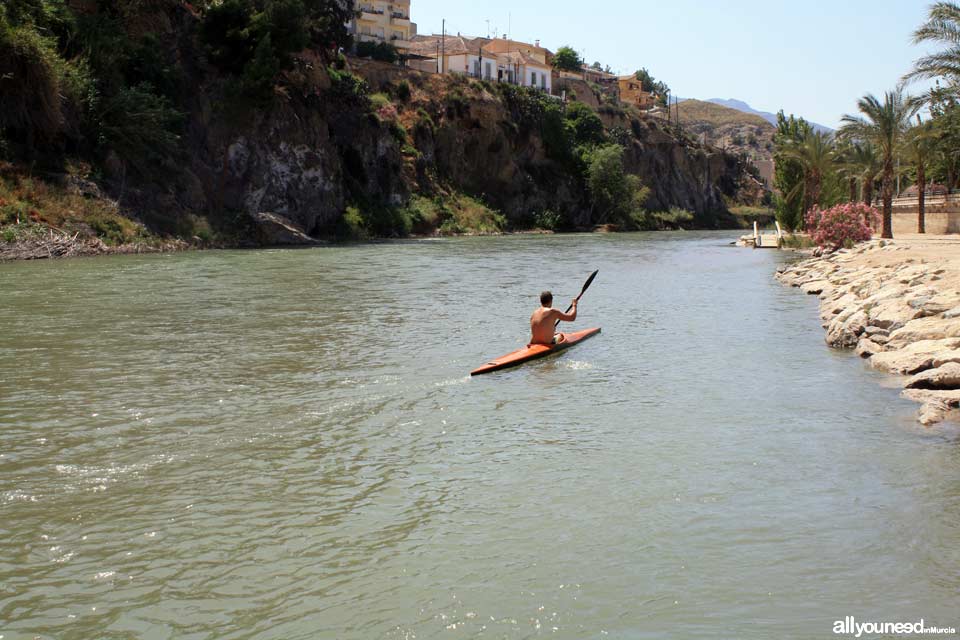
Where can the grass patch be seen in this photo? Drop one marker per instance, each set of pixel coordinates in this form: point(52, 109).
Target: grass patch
point(379, 100)
point(367, 222)
point(26, 200)
point(798, 241)
point(675, 218)
point(454, 214)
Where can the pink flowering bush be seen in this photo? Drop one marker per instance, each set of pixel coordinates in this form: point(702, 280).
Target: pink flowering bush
point(842, 225)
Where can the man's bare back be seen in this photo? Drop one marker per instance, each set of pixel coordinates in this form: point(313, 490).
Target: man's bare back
point(544, 319)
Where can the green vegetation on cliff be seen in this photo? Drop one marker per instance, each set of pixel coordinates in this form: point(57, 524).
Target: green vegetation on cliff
point(213, 121)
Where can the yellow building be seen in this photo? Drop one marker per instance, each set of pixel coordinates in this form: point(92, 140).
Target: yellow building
point(631, 92)
point(379, 21)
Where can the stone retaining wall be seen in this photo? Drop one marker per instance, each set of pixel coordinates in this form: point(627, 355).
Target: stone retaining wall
point(942, 215)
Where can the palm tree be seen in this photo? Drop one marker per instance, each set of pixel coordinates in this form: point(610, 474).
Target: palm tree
point(816, 154)
point(845, 155)
point(942, 27)
point(917, 148)
point(866, 164)
point(883, 125)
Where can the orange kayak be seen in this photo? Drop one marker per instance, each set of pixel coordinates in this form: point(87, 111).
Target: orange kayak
point(535, 351)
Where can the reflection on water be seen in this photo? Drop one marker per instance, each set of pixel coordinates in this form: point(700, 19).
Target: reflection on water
point(285, 444)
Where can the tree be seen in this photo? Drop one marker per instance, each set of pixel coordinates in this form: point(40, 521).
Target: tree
point(815, 153)
point(650, 84)
point(917, 149)
point(864, 163)
point(615, 195)
point(567, 59)
point(788, 172)
point(233, 30)
point(596, 66)
point(942, 27)
point(584, 125)
point(945, 114)
point(846, 168)
point(883, 124)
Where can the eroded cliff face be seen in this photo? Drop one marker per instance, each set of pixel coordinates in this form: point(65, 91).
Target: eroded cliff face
point(317, 149)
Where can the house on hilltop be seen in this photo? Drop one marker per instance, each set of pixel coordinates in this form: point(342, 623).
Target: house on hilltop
point(631, 92)
point(494, 60)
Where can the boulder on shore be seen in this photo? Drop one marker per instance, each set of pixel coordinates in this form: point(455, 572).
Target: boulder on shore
point(946, 376)
point(274, 229)
point(917, 357)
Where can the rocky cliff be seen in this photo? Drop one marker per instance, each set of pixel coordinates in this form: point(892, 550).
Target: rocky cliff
point(341, 134)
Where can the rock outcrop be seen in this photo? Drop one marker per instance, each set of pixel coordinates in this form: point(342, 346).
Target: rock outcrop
point(902, 315)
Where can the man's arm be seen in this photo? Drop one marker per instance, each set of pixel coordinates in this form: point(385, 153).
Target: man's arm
point(568, 317)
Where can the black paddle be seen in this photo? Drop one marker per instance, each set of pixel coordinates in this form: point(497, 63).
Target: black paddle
point(582, 291)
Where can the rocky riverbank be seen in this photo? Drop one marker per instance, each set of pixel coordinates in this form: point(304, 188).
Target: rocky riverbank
point(897, 304)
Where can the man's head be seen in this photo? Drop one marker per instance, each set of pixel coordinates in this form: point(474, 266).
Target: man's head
point(546, 299)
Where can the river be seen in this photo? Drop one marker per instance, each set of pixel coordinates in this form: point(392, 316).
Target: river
point(285, 444)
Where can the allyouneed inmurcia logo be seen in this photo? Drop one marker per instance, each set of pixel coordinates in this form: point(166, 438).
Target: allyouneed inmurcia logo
point(849, 626)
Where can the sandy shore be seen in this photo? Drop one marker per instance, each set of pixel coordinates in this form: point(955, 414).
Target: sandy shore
point(897, 303)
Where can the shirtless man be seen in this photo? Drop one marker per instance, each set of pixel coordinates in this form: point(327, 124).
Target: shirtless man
point(544, 319)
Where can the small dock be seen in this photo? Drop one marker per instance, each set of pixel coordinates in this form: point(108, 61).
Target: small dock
point(764, 240)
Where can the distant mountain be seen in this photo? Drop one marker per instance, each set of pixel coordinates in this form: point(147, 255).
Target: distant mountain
point(740, 105)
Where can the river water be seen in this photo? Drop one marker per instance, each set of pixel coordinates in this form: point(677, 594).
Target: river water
point(286, 445)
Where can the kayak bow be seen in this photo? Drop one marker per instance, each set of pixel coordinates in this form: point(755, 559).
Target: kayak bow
point(535, 351)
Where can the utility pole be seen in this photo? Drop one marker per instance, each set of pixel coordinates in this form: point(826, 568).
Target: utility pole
point(443, 47)
point(488, 29)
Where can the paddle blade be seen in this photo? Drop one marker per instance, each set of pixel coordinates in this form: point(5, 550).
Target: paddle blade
point(586, 285)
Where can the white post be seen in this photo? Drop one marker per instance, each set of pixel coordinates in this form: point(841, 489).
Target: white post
point(756, 233)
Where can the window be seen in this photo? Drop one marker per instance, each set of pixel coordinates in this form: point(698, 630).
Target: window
point(543, 81)
point(476, 68)
point(533, 78)
point(489, 71)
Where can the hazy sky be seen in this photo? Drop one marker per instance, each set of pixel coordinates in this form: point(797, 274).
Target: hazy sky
point(814, 58)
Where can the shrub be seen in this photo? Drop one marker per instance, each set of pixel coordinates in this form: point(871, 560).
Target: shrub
point(385, 52)
point(402, 90)
point(621, 136)
point(796, 241)
point(584, 124)
point(347, 87)
point(547, 219)
point(398, 132)
point(259, 74)
point(379, 100)
point(140, 126)
point(381, 51)
point(556, 138)
point(457, 104)
point(841, 225)
point(375, 221)
point(424, 120)
point(365, 49)
point(29, 84)
point(353, 224)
